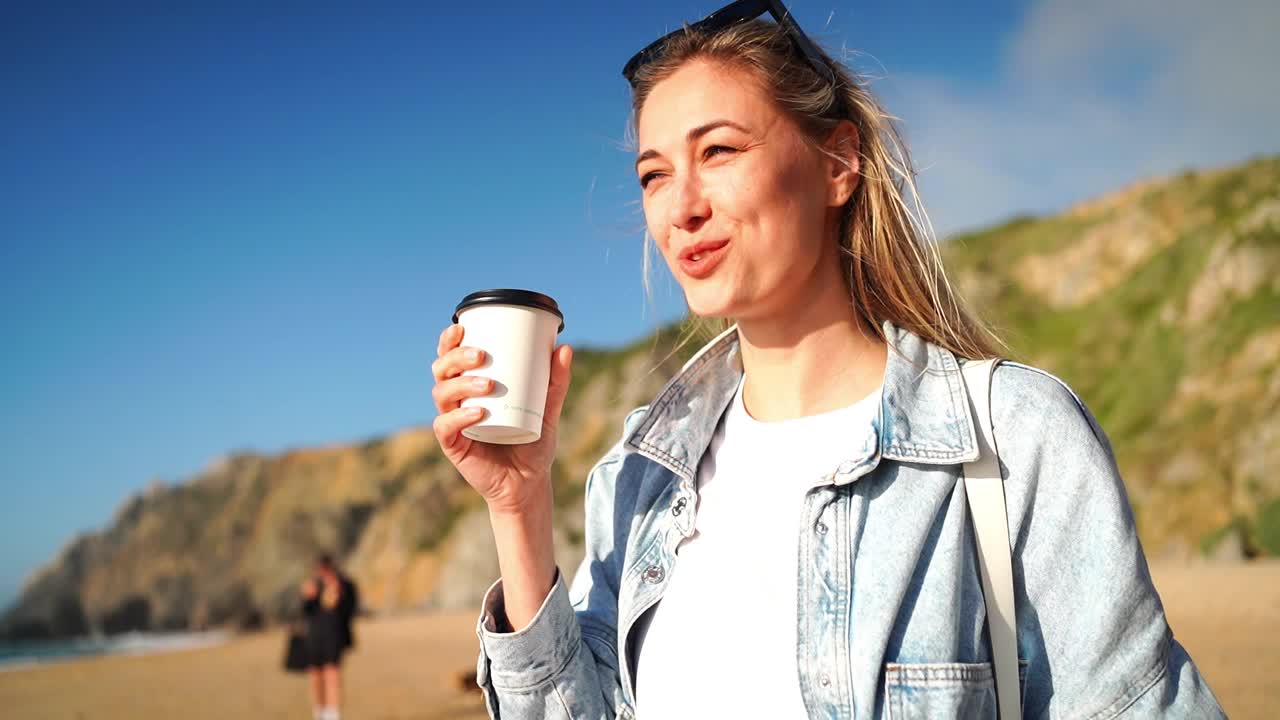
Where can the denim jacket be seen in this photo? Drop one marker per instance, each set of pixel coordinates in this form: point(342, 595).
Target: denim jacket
point(889, 606)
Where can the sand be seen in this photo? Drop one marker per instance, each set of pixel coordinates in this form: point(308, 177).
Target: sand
point(1227, 616)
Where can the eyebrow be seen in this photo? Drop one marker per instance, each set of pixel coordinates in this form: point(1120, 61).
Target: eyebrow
point(693, 135)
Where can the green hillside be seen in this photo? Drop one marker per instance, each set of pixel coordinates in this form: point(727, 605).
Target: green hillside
point(1160, 305)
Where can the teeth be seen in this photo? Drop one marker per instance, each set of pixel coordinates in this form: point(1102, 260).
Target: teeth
point(695, 257)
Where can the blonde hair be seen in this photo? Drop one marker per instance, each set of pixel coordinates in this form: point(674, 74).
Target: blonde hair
point(891, 265)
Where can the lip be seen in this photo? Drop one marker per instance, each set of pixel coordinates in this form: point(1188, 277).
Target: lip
point(709, 253)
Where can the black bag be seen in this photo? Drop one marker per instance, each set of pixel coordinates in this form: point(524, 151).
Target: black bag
point(296, 655)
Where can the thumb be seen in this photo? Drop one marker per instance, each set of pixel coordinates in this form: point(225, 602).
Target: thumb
point(561, 373)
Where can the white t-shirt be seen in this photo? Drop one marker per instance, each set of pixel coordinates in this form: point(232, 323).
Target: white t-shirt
point(722, 642)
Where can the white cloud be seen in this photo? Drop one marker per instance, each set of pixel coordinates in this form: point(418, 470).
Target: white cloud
point(1093, 94)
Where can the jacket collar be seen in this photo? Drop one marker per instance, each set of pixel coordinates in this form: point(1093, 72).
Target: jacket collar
point(924, 408)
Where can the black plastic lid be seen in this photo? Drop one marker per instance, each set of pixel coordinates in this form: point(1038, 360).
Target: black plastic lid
point(526, 298)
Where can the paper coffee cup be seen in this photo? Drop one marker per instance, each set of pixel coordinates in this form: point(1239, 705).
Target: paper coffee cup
point(517, 330)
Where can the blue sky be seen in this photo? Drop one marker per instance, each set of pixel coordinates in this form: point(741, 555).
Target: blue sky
point(242, 226)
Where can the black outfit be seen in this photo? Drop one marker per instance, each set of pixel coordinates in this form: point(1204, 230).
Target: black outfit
point(329, 629)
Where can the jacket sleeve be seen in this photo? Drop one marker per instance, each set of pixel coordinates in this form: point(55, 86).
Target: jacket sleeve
point(350, 606)
point(350, 600)
point(1090, 623)
point(564, 664)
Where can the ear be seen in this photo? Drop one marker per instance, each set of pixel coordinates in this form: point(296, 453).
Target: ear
point(842, 166)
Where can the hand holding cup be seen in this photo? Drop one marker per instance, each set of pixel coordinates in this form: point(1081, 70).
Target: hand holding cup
point(510, 467)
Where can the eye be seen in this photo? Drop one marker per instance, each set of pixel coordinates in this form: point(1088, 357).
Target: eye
point(648, 178)
point(714, 150)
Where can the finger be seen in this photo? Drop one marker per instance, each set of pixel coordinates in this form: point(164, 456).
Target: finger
point(561, 374)
point(449, 426)
point(457, 361)
point(450, 337)
point(448, 394)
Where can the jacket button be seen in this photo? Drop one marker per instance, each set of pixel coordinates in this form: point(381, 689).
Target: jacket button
point(824, 680)
point(654, 574)
point(822, 528)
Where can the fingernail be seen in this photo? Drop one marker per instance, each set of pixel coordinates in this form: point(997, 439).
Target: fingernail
point(474, 411)
point(480, 382)
point(473, 355)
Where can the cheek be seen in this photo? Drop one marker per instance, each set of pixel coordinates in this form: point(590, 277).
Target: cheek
point(774, 201)
point(797, 202)
point(654, 214)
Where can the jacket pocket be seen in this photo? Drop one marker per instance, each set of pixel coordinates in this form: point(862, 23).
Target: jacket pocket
point(925, 691)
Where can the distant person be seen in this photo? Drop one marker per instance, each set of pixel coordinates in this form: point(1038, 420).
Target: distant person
point(329, 602)
point(783, 531)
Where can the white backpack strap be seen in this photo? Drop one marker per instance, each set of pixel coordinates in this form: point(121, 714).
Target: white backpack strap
point(985, 492)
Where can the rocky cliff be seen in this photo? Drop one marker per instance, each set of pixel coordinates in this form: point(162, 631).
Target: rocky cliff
point(230, 545)
point(1160, 304)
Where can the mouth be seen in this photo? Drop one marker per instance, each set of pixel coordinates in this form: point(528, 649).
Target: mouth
point(696, 251)
point(699, 260)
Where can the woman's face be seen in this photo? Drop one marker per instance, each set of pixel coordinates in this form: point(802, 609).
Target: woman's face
point(740, 205)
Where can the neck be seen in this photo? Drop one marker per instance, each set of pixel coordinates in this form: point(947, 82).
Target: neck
point(813, 360)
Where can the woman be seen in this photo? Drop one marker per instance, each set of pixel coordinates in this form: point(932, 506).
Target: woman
point(329, 604)
point(782, 532)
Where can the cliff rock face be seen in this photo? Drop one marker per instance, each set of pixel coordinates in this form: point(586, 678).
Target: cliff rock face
point(1159, 304)
point(231, 545)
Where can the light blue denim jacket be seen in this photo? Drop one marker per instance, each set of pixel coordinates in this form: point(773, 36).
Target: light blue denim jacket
point(889, 610)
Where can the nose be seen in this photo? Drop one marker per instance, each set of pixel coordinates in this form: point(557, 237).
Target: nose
point(689, 206)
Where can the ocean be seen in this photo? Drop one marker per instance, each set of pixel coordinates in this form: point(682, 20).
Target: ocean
point(17, 656)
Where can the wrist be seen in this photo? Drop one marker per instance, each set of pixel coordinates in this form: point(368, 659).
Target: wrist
point(526, 558)
point(523, 525)
point(534, 506)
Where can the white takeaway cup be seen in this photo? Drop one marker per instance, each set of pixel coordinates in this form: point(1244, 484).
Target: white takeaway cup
point(517, 331)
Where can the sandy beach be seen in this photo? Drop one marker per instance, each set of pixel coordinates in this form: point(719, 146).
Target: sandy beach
point(404, 668)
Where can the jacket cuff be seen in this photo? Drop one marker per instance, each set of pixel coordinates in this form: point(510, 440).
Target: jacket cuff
point(536, 653)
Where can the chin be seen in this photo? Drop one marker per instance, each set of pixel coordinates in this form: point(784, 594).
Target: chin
point(710, 307)
point(711, 315)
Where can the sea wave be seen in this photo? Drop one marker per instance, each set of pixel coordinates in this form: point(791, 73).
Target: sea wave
point(22, 656)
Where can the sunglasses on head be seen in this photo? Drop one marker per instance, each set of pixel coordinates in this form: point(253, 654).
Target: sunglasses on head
point(728, 16)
